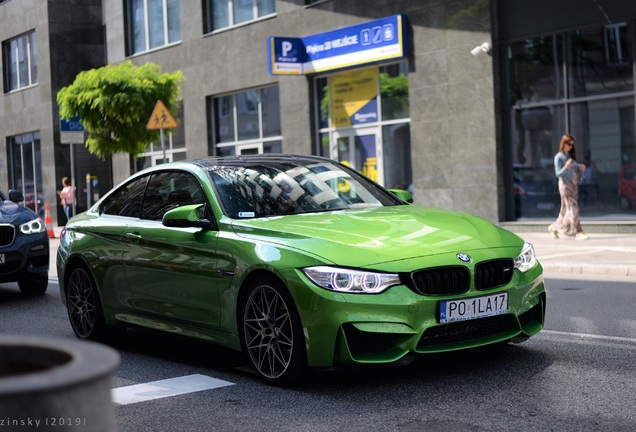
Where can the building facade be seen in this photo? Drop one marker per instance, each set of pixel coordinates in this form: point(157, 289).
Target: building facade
point(467, 115)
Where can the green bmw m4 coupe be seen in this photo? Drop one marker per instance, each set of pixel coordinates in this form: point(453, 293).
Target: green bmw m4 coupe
point(297, 261)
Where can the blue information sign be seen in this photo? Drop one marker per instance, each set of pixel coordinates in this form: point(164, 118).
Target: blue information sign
point(363, 43)
point(72, 125)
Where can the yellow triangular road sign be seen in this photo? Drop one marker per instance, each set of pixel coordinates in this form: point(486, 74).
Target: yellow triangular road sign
point(161, 118)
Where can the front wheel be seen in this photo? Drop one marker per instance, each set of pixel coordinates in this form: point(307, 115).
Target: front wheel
point(271, 332)
point(85, 309)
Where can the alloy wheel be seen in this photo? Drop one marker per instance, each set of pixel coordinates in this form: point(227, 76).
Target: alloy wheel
point(268, 331)
point(81, 303)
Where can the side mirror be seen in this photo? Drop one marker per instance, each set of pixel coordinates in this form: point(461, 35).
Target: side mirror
point(186, 216)
point(16, 196)
point(402, 195)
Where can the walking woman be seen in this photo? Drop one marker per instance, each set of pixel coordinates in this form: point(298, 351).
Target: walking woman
point(569, 173)
point(66, 197)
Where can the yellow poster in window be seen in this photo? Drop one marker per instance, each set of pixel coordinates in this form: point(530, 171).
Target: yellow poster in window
point(354, 97)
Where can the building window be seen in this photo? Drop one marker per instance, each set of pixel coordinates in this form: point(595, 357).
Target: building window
point(151, 24)
point(245, 123)
point(20, 62)
point(227, 13)
point(25, 169)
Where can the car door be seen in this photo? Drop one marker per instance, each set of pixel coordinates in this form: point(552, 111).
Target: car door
point(172, 271)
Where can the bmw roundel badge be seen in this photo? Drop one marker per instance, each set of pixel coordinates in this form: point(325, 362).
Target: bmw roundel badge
point(463, 257)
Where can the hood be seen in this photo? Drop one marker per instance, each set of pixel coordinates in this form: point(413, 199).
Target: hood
point(11, 213)
point(380, 235)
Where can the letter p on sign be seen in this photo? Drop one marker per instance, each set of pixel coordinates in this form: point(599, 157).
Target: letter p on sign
point(287, 47)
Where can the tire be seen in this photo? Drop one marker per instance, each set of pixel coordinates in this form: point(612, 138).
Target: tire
point(84, 308)
point(36, 285)
point(271, 332)
point(625, 203)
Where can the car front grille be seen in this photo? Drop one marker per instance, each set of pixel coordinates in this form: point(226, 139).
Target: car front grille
point(441, 280)
point(492, 274)
point(467, 331)
point(7, 235)
point(456, 279)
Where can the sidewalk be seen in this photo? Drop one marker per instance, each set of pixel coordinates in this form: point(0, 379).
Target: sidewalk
point(603, 254)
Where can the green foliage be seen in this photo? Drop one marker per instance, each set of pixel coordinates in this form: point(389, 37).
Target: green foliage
point(115, 102)
point(394, 87)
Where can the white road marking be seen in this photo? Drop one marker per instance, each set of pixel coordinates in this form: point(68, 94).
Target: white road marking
point(590, 336)
point(165, 388)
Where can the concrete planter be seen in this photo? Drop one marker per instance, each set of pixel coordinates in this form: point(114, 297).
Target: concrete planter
point(56, 384)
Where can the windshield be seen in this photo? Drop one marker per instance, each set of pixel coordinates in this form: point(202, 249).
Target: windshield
point(283, 188)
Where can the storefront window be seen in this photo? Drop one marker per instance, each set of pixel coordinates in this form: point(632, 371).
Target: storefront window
point(363, 121)
point(599, 61)
point(587, 92)
point(535, 69)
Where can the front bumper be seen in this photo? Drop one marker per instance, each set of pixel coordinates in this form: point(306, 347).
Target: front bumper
point(26, 257)
point(343, 329)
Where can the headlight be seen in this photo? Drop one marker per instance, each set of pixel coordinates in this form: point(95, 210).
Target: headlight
point(33, 227)
point(526, 259)
point(351, 281)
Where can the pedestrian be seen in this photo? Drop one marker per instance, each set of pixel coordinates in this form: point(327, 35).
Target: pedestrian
point(66, 197)
point(569, 173)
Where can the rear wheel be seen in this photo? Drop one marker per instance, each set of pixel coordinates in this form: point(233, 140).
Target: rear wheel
point(271, 332)
point(85, 309)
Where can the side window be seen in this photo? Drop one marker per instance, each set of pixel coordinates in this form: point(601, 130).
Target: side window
point(167, 190)
point(127, 200)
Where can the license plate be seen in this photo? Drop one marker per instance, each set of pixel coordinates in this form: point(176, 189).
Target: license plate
point(545, 206)
point(472, 308)
point(1, 258)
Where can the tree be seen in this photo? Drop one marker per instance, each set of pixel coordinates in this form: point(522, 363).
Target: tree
point(115, 102)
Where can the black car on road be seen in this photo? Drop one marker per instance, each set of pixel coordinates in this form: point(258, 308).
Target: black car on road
point(24, 245)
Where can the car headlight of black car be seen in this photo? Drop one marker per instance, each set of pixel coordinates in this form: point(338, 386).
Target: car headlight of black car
point(526, 259)
point(351, 281)
point(33, 227)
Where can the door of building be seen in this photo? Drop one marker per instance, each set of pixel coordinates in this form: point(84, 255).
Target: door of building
point(360, 149)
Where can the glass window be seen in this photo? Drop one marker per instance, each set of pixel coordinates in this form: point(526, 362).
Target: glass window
point(535, 69)
point(600, 61)
point(168, 190)
point(396, 145)
point(253, 114)
point(394, 91)
point(226, 13)
point(20, 62)
point(126, 201)
point(553, 93)
point(224, 119)
point(25, 169)
point(152, 24)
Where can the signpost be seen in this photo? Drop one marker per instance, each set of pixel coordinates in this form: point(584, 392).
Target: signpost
point(72, 132)
point(161, 119)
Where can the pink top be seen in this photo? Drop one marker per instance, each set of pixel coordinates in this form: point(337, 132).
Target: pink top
point(67, 193)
